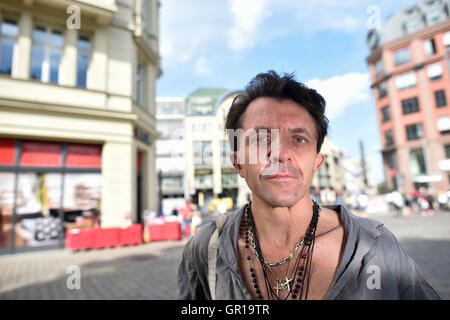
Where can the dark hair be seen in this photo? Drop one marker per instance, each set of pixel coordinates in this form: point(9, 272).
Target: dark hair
point(270, 84)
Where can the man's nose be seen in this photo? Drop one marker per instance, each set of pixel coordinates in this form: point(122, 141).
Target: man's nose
point(281, 150)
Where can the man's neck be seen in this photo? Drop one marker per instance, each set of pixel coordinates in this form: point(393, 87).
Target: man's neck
point(279, 228)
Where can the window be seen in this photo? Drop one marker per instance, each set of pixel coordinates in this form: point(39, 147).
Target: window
point(202, 152)
point(402, 56)
point(443, 124)
point(417, 162)
point(229, 179)
point(83, 57)
point(413, 21)
point(391, 159)
point(446, 39)
point(169, 183)
point(405, 80)
point(203, 181)
point(8, 38)
point(385, 115)
point(382, 90)
point(439, 97)
point(145, 8)
point(434, 71)
point(414, 131)
point(410, 105)
point(447, 151)
point(433, 12)
point(379, 68)
point(429, 47)
point(140, 84)
point(225, 146)
point(388, 138)
point(46, 54)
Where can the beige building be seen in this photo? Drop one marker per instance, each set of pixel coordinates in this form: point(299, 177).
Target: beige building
point(77, 111)
point(209, 172)
point(331, 176)
point(332, 173)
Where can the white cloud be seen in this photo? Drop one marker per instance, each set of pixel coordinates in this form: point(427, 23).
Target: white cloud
point(202, 67)
point(247, 15)
point(190, 29)
point(342, 91)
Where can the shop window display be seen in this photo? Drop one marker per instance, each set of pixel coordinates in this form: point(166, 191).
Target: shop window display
point(82, 193)
point(6, 207)
point(45, 189)
point(37, 195)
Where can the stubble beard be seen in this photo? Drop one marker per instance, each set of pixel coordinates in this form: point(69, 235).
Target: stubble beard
point(280, 196)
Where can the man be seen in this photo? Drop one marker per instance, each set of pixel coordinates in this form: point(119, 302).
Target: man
point(283, 245)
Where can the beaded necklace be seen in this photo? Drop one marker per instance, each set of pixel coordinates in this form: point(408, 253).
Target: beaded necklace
point(299, 287)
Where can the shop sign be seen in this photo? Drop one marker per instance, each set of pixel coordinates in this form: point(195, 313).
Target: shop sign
point(206, 171)
point(201, 105)
point(142, 135)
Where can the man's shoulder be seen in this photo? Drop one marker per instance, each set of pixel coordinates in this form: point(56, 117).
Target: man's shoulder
point(354, 223)
point(200, 240)
point(370, 229)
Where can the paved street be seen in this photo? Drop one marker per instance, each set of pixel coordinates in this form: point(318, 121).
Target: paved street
point(148, 271)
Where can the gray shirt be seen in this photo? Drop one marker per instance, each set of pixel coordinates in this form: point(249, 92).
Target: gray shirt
point(374, 265)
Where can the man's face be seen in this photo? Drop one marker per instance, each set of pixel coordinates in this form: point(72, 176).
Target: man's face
point(282, 175)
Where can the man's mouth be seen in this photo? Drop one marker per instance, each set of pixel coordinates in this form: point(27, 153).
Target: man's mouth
point(279, 177)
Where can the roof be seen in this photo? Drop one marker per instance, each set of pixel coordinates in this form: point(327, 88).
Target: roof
point(409, 20)
point(204, 101)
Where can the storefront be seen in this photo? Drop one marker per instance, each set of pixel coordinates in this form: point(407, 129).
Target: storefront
point(45, 188)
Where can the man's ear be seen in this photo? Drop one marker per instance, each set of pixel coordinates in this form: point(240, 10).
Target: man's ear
point(234, 158)
point(320, 159)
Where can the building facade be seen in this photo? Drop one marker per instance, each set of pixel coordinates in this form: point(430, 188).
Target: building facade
point(209, 173)
point(77, 116)
point(170, 150)
point(409, 64)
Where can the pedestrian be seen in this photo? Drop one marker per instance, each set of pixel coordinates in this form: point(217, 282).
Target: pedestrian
point(186, 216)
point(425, 202)
point(416, 208)
point(443, 201)
point(196, 221)
point(283, 245)
point(397, 203)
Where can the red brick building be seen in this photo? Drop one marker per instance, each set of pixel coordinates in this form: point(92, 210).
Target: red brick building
point(409, 64)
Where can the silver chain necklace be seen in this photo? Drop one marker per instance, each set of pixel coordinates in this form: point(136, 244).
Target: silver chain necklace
point(277, 263)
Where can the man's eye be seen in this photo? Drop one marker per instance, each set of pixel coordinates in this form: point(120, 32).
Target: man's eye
point(299, 139)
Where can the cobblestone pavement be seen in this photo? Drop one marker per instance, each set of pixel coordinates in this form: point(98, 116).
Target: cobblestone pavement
point(148, 271)
point(427, 241)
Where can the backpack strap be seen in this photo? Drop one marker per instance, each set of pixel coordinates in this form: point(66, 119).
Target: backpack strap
point(212, 254)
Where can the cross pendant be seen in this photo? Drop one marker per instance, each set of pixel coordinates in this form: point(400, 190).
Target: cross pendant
point(283, 285)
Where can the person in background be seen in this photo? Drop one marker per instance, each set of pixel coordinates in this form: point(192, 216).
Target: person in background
point(196, 221)
point(443, 201)
point(186, 215)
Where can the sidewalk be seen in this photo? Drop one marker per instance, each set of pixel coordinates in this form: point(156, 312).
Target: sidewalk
point(146, 271)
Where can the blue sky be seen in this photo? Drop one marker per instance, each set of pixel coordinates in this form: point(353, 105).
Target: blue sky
point(208, 43)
